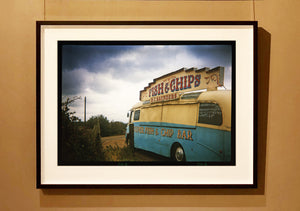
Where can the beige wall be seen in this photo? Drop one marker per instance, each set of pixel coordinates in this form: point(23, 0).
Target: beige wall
point(279, 171)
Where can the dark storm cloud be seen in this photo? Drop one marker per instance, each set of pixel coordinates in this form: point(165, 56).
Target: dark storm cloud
point(72, 82)
point(214, 55)
point(77, 81)
point(88, 56)
point(100, 58)
point(142, 58)
point(97, 58)
point(82, 64)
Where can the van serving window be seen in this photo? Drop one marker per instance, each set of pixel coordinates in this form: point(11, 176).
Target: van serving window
point(210, 113)
point(190, 96)
point(136, 115)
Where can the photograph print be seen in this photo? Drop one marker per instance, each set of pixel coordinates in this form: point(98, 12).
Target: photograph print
point(146, 103)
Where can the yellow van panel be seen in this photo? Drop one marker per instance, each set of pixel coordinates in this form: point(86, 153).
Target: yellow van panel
point(186, 111)
point(151, 114)
point(223, 99)
point(180, 114)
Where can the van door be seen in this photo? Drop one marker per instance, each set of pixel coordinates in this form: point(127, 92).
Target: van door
point(147, 128)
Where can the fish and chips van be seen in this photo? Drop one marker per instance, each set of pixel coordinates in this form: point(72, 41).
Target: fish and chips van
point(184, 116)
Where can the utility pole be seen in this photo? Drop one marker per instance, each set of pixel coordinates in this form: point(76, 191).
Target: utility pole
point(84, 108)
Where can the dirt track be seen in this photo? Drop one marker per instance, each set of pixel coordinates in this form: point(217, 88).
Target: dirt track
point(139, 154)
point(113, 140)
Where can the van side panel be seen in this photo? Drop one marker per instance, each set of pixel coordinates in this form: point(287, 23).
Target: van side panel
point(200, 144)
point(209, 145)
point(227, 146)
point(146, 136)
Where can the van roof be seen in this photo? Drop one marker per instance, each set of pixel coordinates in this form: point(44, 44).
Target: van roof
point(220, 96)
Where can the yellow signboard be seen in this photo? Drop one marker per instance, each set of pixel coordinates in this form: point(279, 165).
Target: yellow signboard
point(168, 87)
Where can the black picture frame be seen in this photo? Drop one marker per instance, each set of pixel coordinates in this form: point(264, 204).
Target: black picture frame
point(181, 25)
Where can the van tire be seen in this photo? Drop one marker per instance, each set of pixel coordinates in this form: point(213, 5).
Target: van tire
point(177, 153)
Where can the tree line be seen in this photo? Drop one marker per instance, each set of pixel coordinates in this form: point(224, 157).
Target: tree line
point(80, 142)
point(108, 128)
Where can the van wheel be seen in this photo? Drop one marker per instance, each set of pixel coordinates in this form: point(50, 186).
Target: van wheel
point(178, 153)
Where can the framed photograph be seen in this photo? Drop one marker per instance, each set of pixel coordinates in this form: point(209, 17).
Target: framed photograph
point(146, 104)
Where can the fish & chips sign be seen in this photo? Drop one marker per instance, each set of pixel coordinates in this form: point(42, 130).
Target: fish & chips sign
point(170, 86)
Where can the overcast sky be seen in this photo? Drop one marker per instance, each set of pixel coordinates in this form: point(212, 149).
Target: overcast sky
point(111, 76)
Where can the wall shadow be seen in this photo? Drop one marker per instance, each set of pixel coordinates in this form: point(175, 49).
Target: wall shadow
point(184, 197)
point(263, 75)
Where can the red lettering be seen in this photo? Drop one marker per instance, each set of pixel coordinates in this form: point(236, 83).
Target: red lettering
point(167, 88)
point(190, 135)
point(215, 77)
point(179, 134)
point(173, 85)
point(181, 83)
point(163, 132)
point(197, 80)
point(185, 86)
point(190, 81)
point(161, 88)
point(184, 135)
